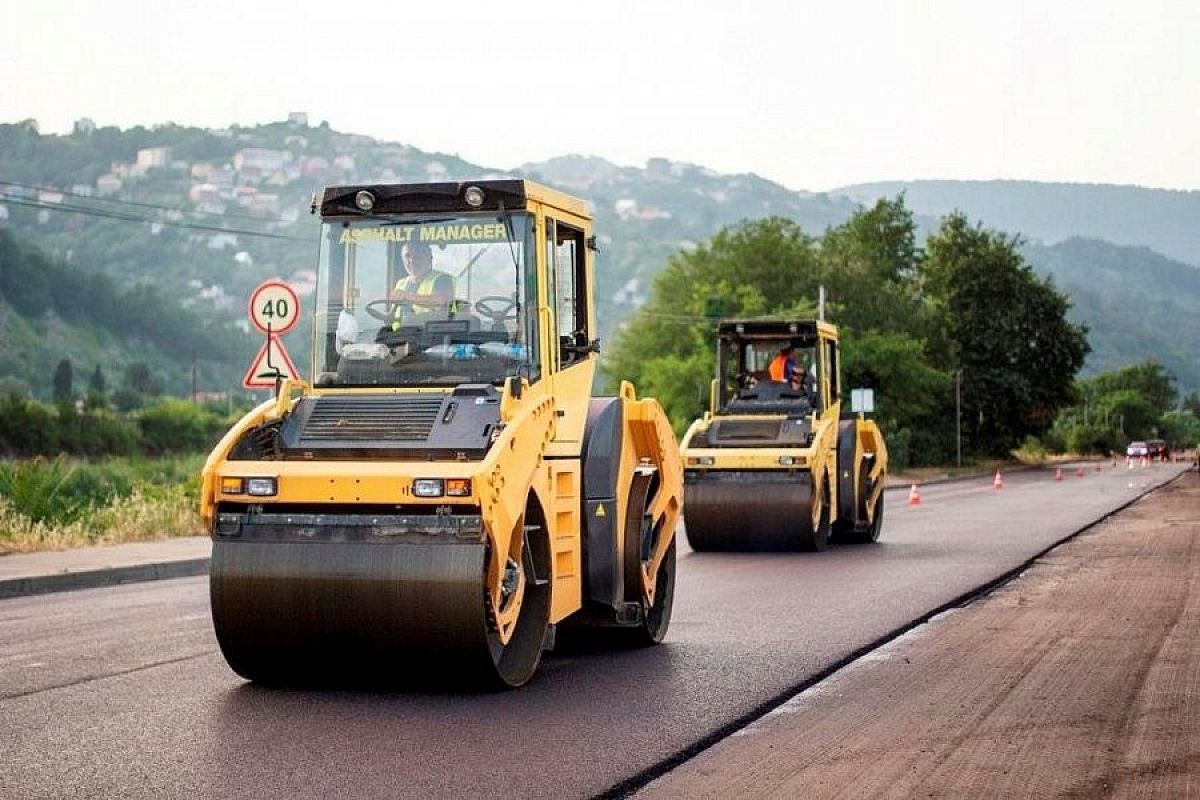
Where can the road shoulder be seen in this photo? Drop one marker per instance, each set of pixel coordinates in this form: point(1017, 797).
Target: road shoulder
point(1076, 679)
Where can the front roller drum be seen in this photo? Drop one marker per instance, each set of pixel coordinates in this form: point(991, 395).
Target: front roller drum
point(747, 510)
point(293, 611)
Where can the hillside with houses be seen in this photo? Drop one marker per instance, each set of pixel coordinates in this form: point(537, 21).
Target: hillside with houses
point(206, 214)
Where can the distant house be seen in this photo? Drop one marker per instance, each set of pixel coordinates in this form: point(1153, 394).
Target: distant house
point(264, 204)
point(107, 185)
point(626, 208)
point(298, 119)
point(204, 193)
point(242, 195)
point(260, 160)
point(150, 157)
point(219, 241)
point(202, 171)
point(314, 166)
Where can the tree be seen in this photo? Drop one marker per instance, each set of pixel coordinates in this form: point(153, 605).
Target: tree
point(1149, 380)
point(868, 266)
point(766, 266)
point(1005, 328)
point(97, 382)
point(910, 394)
point(63, 381)
point(140, 380)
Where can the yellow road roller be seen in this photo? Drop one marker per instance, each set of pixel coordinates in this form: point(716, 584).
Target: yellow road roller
point(774, 464)
point(444, 492)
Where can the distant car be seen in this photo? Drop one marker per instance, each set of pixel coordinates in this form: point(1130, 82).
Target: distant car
point(1137, 450)
point(1158, 449)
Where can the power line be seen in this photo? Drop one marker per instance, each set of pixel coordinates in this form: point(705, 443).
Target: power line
point(116, 215)
point(137, 204)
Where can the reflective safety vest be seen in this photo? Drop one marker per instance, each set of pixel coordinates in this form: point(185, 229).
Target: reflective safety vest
point(426, 286)
point(778, 368)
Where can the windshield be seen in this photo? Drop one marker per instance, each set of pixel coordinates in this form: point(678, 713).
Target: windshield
point(768, 375)
point(428, 301)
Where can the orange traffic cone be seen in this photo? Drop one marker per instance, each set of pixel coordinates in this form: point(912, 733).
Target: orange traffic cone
point(1079, 472)
point(999, 482)
point(914, 497)
point(1058, 474)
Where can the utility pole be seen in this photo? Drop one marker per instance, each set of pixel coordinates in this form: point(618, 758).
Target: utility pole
point(958, 415)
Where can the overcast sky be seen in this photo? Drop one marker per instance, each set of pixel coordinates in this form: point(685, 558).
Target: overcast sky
point(814, 95)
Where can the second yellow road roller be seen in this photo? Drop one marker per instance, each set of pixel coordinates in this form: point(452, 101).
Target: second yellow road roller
point(775, 464)
point(443, 492)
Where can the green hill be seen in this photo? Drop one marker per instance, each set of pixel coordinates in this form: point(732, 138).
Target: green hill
point(1137, 303)
point(1165, 220)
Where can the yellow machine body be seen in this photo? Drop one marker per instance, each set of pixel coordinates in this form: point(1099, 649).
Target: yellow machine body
point(774, 464)
point(444, 492)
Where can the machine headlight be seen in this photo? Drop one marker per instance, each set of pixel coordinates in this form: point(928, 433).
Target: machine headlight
point(364, 200)
point(428, 487)
point(474, 196)
point(787, 461)
point(701, 461)
point(233, 485)
point(262, 487)
point(458, 487)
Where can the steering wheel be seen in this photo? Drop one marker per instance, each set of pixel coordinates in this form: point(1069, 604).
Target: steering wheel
point(382, 309)
point(496, 308)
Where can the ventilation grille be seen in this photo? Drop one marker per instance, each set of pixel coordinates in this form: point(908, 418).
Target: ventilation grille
point(746, 429)
point(371, 419)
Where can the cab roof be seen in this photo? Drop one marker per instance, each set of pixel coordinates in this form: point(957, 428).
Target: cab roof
point(423, 198)
point(774, 328)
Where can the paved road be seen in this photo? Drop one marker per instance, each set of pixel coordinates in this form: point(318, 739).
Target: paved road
point(122, 692)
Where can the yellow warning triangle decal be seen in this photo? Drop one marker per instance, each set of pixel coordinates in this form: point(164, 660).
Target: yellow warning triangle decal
point(600, 511)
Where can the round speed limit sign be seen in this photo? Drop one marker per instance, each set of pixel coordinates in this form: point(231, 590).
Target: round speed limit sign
point(274, 307)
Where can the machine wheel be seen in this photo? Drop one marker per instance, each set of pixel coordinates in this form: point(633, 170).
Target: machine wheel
point(656, 618)
point(517, 660)
point(817, 537)
point(871, 532)
point(850, 506)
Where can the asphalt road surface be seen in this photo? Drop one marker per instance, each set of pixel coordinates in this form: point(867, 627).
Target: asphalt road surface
point(121, 692)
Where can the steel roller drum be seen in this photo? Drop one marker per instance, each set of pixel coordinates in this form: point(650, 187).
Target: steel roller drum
point(393, 611)
point(744, 510)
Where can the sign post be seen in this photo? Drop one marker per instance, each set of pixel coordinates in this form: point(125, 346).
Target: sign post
point(274, 309)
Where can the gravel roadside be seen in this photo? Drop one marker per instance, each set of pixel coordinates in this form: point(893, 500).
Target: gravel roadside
point(1078, 679)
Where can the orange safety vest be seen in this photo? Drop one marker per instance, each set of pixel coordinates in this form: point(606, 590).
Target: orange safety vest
point(778, 368)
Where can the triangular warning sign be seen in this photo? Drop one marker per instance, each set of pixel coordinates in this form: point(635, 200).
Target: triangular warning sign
point(261, 374)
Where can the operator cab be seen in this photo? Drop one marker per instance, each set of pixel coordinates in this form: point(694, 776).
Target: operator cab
point(479, 323)
point(745, 352)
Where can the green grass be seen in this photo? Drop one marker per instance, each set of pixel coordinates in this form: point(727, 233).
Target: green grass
point(61, 503)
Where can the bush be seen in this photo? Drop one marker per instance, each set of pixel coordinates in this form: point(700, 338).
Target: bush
point(27, 428)
point(1031, 451)
point(898, 449)
point(173, 426)
point(1093, 438)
